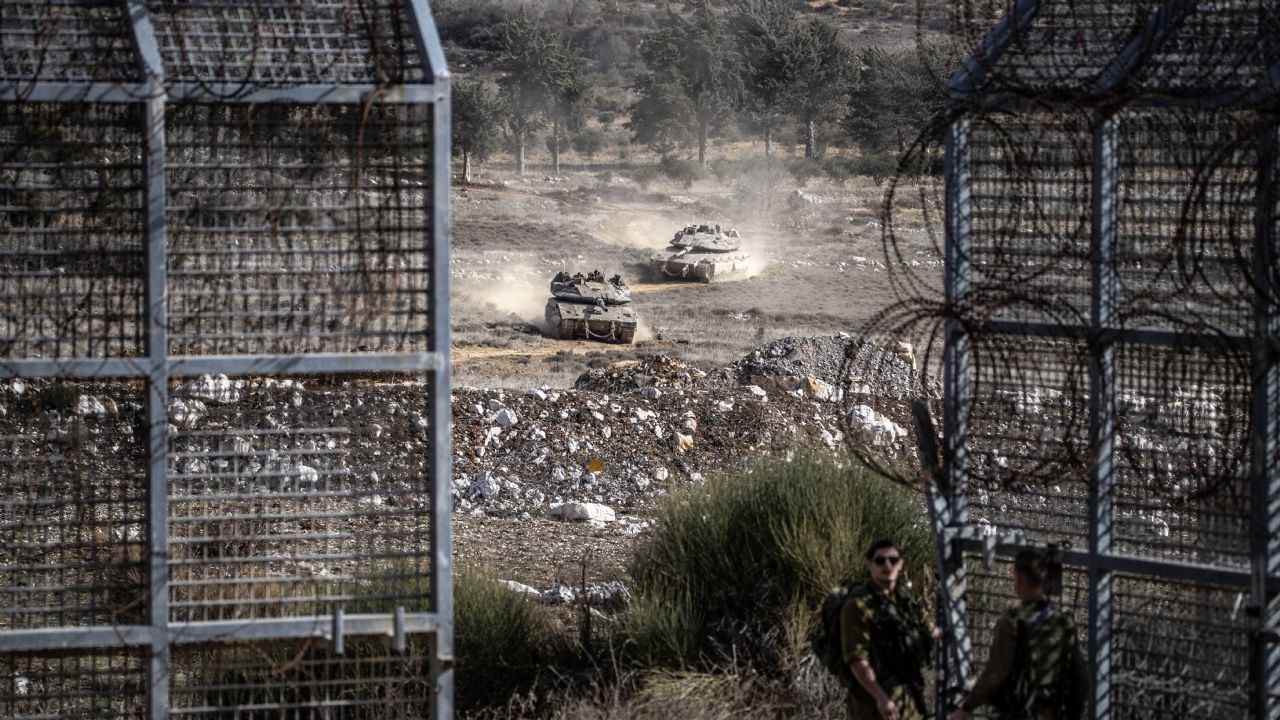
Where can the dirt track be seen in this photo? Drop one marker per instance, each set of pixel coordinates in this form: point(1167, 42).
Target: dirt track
point(819, 270)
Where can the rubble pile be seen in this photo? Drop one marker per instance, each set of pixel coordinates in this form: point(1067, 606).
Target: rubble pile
point(597, 453)
point(634, 430)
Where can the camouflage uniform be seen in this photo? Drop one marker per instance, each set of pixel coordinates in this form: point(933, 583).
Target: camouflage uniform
point(889, 631)
point(1051, 651)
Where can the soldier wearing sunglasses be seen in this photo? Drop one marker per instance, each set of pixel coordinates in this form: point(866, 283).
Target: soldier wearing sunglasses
point(886, 642)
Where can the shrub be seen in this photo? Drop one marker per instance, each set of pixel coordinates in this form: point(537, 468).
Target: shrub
point(747, 550)
point(839, 169)
point(878, 166)
point(804, 169)
point(500, 641)
point(685, 172)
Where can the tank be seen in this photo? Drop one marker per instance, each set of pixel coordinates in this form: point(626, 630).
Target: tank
point(702, 252)
point(591, 308)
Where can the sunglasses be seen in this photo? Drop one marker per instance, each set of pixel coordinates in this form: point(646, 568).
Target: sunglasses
point(889, 559)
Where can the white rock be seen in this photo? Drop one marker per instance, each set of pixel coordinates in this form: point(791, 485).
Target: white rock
point(650, 392)
point(218, 389)
point(485, 485)
point(641, 483)
point(237, 446)
point(695, 477)
point(307, 475)
point(597, 416)
point(536, 393)
point(90, 406)
point(506, 417)
point(757, 391)
point(538, 434)
point(495, 405)
point(607, 432)
point(17, 386)
point(724, 405)
point(571, 444)
point(661, 474)
point(643, 415)
point(582, 511)
point(559, 595)
point(659, 431)
point(476, 409)
point(520, 588)
point(559, 475)
point(185, 413)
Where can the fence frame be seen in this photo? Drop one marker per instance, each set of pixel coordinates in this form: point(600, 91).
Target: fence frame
point(954, 533)
point(156, 367)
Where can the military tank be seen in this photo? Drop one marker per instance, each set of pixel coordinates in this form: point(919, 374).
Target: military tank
point(591, 308)
point(702, 252)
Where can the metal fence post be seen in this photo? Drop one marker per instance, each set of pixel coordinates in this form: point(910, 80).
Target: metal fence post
point(1102, 421)
point(957, 380)
point(157, 347)
point(1264, 535)
point(441, 407)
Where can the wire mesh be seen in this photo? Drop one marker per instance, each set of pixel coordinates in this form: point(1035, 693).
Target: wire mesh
point(300, 680)
point(71, 198)
point(1027, 441)
point(1157, 628)
point(73, 684)
point(1031, 188)
point(1182, 483)
point(65, 40)
point(287, 42)
point(297, 497)
point(73, 516)
point(1187, 220)
point(1237, 34)
point(298, 228)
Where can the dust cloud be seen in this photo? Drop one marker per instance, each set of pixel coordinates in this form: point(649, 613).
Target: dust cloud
point(520, 291)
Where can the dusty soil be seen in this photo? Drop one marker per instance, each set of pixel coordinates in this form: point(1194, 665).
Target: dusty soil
point(819, 269)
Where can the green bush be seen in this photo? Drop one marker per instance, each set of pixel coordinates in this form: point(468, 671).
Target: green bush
point(839, 169)
point(804, 169)
point(685, 172)
point(747, 550)
point(500, 640)
point(877, 165)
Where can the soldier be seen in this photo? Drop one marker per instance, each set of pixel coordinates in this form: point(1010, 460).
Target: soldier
point(595, 276)
point(886, 642)
point(1035, 670)
point(616, 280)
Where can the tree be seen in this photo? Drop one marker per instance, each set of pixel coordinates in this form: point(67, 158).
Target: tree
point(568, 99)
point(896, 95)
point(819, 68)
point(762, 30)
point(531, 59)
point(691, 84)
point(477, 117)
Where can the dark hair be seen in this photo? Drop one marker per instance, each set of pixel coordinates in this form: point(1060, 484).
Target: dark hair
point(879, 545)
point(1033, 566)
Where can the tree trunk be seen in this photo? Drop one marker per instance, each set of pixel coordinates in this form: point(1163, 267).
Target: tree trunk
point(702, 144)
point(768, 144)
point(810, 135)
point(555, 147)
point(520, 157)
point(466, 166)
